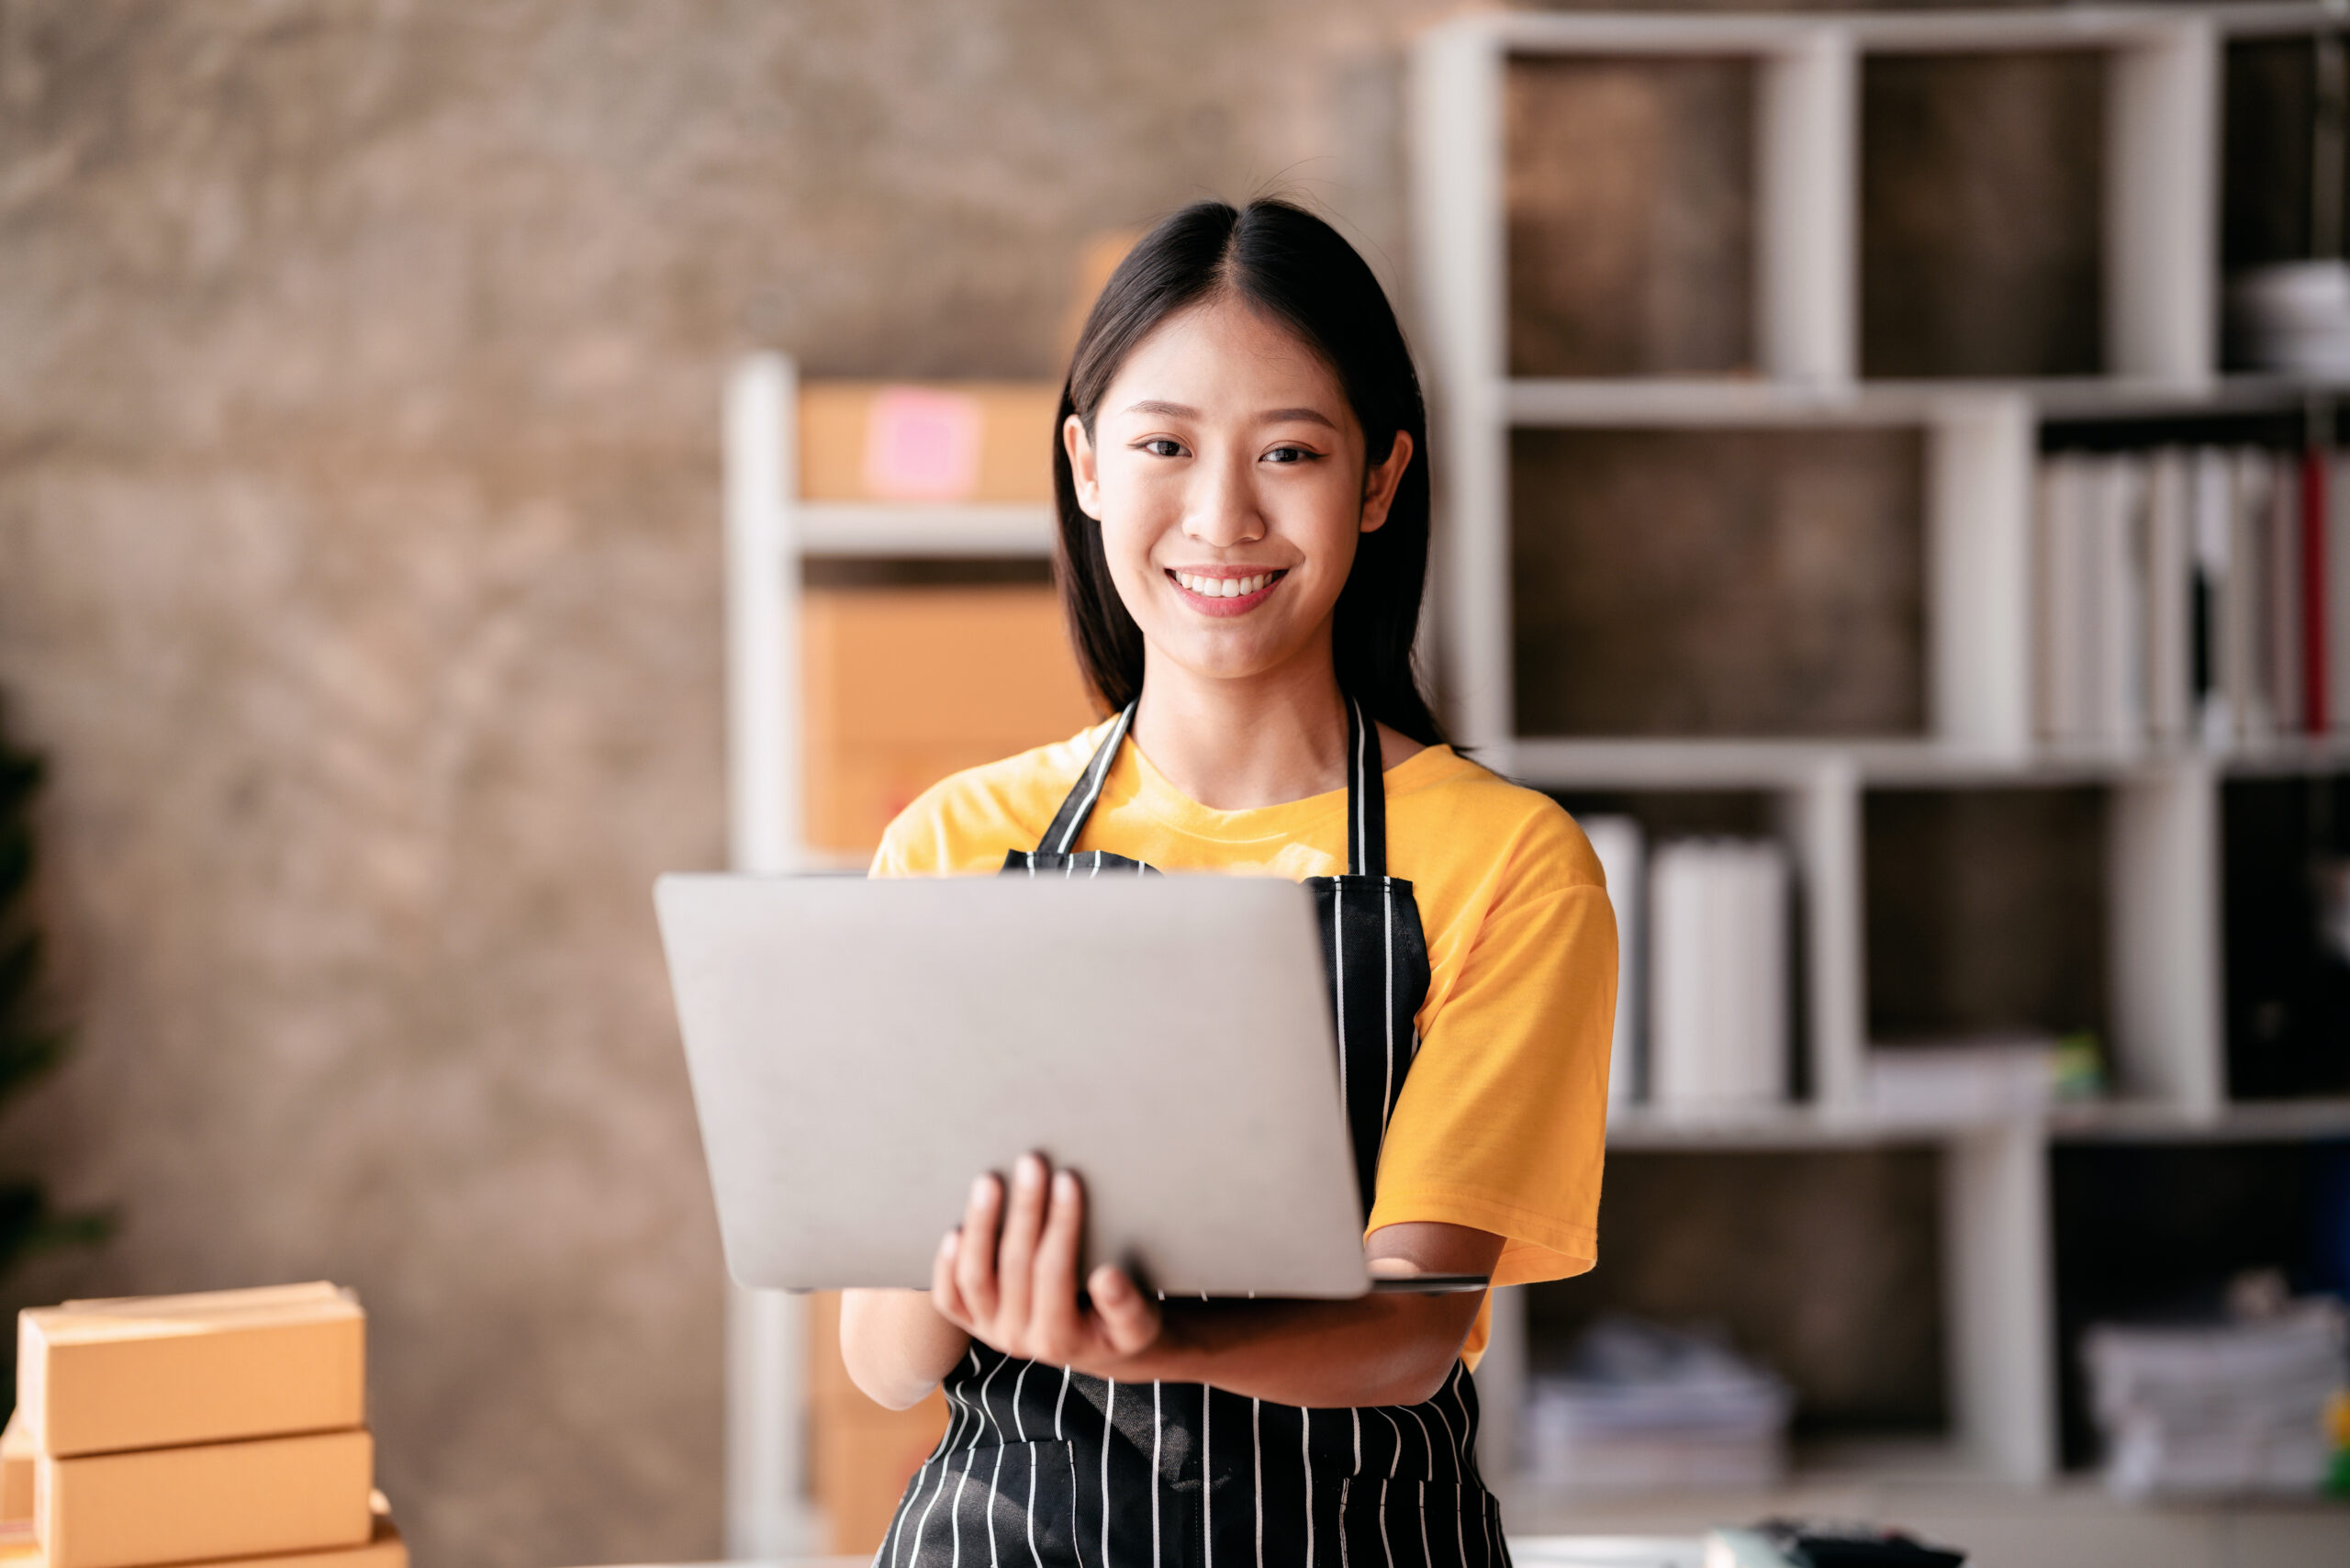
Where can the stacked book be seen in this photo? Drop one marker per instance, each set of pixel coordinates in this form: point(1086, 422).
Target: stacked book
point(1703, 989)
point(1718, 972)
point(1641, 1407)
point(212, 1429)
point(2198, 592)
point(2224, 1408)
point(1987, 1078)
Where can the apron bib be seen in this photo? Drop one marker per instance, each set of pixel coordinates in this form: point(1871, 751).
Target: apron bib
point(1049, 1468)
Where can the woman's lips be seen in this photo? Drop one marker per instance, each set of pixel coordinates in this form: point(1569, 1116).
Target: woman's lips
point(1225, 592)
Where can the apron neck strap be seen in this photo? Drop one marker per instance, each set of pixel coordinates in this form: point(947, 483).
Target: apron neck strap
point(1366, 794)
point(1069, 821)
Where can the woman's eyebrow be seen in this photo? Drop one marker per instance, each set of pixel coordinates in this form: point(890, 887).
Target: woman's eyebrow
point(1272, 416)
point(1297, 417)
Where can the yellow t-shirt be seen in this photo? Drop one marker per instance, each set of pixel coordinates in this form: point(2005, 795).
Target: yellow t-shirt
point(1502, 1123)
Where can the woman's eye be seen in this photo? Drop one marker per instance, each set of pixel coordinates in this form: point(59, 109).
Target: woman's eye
point(1163, 446)
point(1292, 454)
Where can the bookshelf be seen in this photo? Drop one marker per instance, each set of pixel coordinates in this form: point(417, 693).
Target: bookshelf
point(1932, 362)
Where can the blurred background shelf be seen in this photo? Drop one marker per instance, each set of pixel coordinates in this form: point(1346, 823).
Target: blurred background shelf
point(1791, 1126)
point(1748, 399)
point(2239, 1121)
point(1772, 764)
point(1800, 1126)
point(880, 529)
point(1752, 338)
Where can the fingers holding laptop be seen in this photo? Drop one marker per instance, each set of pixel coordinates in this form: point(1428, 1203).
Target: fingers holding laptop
point(1008, 1275)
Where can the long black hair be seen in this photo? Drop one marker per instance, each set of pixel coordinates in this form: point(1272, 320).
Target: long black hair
point(1300, 272)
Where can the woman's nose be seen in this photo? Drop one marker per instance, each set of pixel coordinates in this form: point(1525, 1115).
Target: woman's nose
point(1222, 509)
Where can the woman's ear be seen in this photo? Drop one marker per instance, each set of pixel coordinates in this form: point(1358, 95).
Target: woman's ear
point(1379, 485)
point(1083, 470)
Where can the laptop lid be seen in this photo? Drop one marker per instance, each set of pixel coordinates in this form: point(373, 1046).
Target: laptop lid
point(860, 1050)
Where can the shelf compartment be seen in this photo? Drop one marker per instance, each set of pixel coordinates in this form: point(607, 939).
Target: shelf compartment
point(1981, 183)
point(2265, 163)
point(1718, 583)
point(1986, 911)
point(2156, 1230)
point(1825, 1265)
point(1663, 817)
point(2286, 903)
point(1629, 208)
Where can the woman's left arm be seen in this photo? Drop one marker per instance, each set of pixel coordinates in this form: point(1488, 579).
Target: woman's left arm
point(1007, 1276)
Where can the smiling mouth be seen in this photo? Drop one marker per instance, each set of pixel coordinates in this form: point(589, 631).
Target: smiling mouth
point(1226, 587)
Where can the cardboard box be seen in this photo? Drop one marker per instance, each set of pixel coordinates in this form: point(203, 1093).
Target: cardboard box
point(863, 1454)
point(20, 1548)
point(213, 1500)
point(383, 1549)
point(905, 686)
point(159, 1372)
point(16, 1454)
point(960, 440)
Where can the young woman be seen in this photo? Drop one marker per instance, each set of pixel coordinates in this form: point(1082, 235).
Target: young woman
point(1244, 504)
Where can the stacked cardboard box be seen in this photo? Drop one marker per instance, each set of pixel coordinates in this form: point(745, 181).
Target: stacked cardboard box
point(205, 1428)
point(986, 443)
point(907, 684)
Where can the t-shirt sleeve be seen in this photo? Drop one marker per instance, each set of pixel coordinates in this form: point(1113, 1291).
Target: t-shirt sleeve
point(1502, 1124)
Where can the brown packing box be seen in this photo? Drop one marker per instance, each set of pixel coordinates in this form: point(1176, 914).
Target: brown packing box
point(1016, 421)
point(383, 1549)
point(213, 1500)
point(15, 1472)
point(158, 1372)
point(905, 686)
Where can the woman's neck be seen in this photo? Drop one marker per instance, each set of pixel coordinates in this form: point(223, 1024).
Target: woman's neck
point(1234, 745)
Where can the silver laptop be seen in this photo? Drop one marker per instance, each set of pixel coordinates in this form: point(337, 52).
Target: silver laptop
point(859, 1050)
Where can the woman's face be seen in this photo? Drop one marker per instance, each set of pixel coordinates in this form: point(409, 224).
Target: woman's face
point(1226, 472)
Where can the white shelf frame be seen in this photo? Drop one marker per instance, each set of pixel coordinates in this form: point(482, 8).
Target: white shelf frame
point(2161, 297)
point(771, 1513)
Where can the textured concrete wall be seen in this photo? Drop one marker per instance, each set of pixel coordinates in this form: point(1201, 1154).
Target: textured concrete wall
point(358, 573)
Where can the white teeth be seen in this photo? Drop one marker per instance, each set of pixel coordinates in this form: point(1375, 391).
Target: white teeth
point(1223, 588)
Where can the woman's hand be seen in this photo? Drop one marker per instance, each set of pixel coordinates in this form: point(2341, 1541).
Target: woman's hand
point(1007, 1276)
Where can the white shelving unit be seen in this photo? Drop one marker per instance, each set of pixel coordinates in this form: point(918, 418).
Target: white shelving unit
point(769, 531)
point(2160, 287)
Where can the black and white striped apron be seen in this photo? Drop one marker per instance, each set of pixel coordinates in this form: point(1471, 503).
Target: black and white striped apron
point(1045, 1468)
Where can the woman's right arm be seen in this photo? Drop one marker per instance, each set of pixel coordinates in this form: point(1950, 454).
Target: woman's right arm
point(895, 1345)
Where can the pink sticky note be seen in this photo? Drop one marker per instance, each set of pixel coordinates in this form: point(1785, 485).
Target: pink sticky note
point(922, 445)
